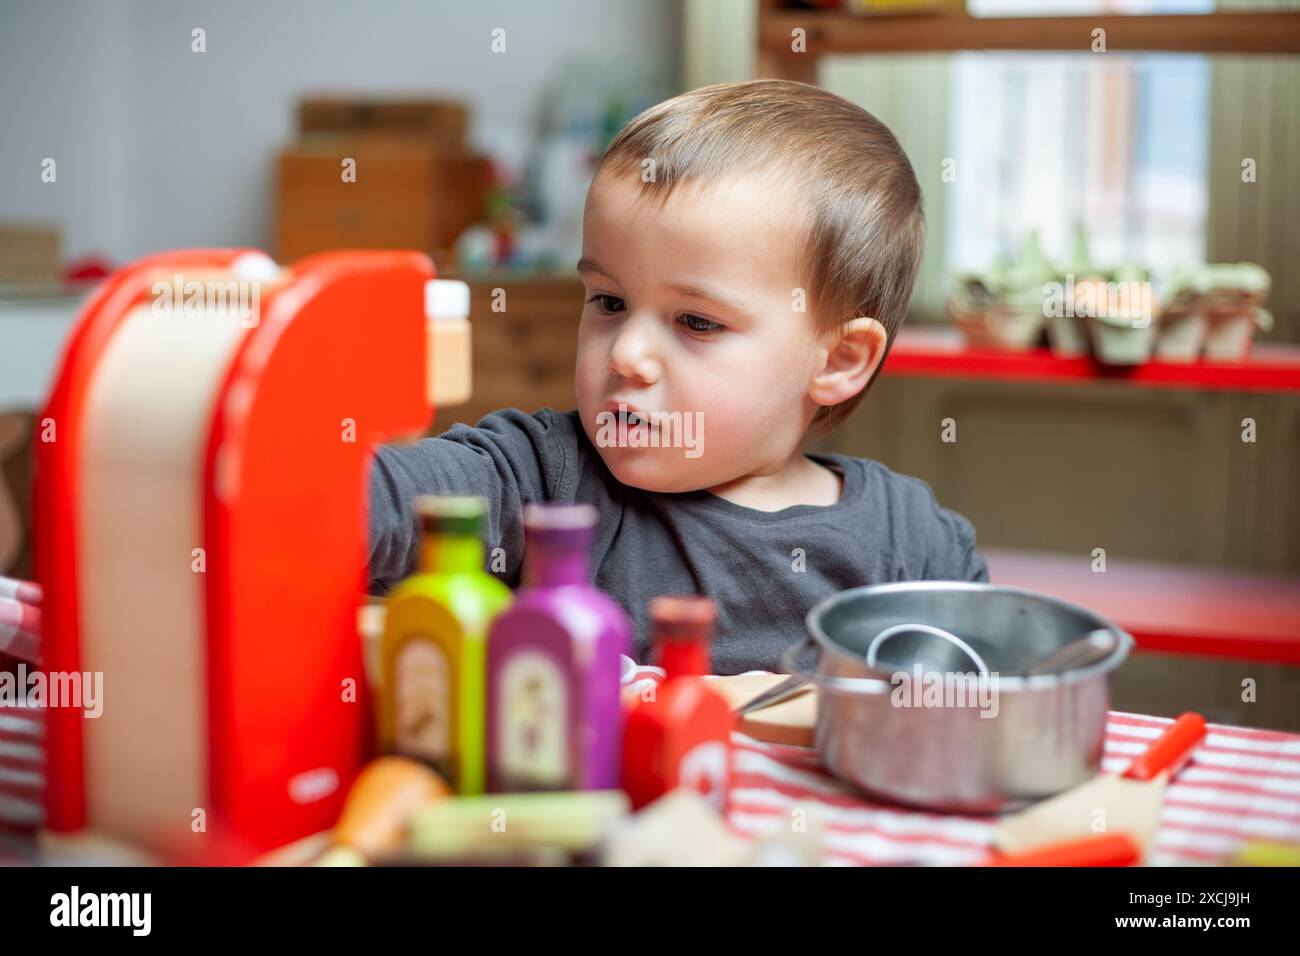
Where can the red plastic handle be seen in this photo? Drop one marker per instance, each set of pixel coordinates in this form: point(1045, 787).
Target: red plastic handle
point(1170, 750)
point(1106, 849)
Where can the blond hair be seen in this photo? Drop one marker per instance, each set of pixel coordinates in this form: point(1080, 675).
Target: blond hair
point(866, 229)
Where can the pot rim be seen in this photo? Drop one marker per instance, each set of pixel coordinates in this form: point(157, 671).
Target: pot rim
point(826, 644)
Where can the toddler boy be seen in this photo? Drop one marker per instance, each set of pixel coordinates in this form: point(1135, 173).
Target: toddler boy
point(749, 250)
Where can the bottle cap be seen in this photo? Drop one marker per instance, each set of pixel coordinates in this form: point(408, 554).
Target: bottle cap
point(446, 299)
point(561, 526)
point(686, 617)
point(255, 267)
point(559, 517)
point(451, 514)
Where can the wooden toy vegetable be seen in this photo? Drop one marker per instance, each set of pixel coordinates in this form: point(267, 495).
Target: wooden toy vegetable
point(573, 821)
point(379, 807)
point(1099, 849)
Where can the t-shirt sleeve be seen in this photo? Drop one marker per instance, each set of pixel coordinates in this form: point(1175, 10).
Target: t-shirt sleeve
point(509, 458)
point(953, 556)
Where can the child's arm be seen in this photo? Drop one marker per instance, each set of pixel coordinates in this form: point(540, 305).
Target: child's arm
point(509, 458)
point(953, 556)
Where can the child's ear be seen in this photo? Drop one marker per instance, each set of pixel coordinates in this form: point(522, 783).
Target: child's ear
point(851, 359)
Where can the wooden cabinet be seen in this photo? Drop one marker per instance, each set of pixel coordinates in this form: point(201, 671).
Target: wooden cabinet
point(1160, 475)
point(407, 194)
point(378, 173)
point(525, 338)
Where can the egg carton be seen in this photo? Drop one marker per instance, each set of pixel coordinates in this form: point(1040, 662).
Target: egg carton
point(1214, 312)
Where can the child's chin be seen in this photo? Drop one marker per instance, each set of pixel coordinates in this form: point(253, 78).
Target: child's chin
point(651, 469)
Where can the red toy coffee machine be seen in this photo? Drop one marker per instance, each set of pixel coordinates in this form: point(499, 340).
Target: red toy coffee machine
point(200, 519)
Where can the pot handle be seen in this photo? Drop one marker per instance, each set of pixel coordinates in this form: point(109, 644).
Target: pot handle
point(873, 661)
point(845, 685)
point(788, 665)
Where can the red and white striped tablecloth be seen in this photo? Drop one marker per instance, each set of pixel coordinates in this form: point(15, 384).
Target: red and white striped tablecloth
point(22, 728)
point(22, 780)
point(1241, 785)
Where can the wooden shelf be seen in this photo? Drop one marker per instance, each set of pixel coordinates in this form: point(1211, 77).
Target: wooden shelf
point(942, 352)
point(836, 32)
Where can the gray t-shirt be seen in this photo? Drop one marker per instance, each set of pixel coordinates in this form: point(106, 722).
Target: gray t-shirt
point(763, 569)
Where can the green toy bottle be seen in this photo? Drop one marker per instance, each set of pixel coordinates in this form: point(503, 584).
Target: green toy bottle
point(433, 652)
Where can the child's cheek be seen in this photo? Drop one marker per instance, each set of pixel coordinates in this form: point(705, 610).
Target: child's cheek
point(587, 370)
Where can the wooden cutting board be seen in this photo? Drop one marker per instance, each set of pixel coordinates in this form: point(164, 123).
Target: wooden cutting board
point(791, 721)
point(1129, 802)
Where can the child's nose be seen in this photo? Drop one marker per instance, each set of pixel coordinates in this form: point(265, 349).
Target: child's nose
point(633, 355)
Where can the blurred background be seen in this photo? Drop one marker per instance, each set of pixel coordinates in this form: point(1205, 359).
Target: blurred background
point(1164, 150)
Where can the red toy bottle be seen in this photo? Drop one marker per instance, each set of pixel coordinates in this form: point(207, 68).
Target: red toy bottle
point(681, 736)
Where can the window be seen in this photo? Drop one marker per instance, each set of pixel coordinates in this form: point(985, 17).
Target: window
point(1117, 143)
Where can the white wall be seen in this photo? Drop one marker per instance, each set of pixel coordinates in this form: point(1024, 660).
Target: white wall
point(159, 147)
point(720, 42)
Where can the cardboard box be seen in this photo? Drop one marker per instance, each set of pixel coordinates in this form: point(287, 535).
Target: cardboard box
point(407, 195)
point(443, 122)
point(29, 254)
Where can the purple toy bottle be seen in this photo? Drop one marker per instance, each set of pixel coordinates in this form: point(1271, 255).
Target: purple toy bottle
point(555, 721)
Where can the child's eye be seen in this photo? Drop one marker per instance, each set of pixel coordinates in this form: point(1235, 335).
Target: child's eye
point(700, 325)
point(608, 303)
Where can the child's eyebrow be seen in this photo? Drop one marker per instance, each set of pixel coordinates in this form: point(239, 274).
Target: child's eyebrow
point(714, 295)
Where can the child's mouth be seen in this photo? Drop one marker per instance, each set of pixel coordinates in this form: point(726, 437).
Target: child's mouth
point(637, 426)
point(630, 421)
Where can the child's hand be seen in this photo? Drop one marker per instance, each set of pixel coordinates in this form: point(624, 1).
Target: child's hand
point(20, 620)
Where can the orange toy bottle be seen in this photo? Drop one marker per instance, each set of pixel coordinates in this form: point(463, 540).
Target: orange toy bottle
point(680, 736)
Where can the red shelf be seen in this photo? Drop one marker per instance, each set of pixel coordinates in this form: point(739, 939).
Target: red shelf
point(942, 352)
point(1173, 609)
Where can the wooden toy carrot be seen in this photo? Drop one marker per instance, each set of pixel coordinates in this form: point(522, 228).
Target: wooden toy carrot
point(1102, 849)
point(379, 807)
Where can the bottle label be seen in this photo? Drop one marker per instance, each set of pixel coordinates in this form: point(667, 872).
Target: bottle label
point(704, 769)
point(423, 702)
point(533, 742)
